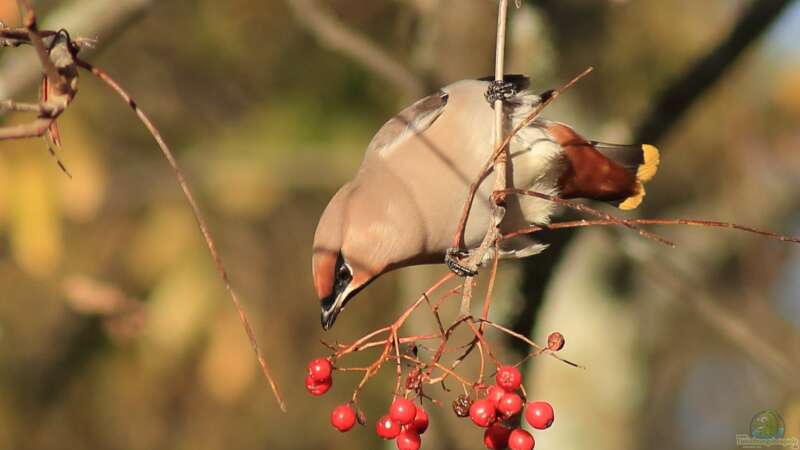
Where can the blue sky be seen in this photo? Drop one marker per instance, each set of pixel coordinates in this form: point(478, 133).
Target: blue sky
point(785, 35)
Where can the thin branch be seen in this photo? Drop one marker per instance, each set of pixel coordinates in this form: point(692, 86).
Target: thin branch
point(54, 102)
point(210, 243)
point(32, 129)
point(499, 158)
point(11, 105)
point(41, 52)
point(336, 35)
point(626, 222)
point(589, 210)
point(90, 18)
point(500, 153)
point(538, 348)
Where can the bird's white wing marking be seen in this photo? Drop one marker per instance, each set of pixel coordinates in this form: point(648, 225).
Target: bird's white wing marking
point(413, 120)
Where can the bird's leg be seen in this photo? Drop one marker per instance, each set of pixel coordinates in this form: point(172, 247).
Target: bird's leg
point(500, 90)
point(465, 263)
point(458, 261)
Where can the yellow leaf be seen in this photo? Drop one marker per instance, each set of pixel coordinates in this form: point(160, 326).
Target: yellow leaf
point(35, 225)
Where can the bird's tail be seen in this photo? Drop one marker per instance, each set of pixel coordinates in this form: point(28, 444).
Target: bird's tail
point(640, 160)
point(606, 172)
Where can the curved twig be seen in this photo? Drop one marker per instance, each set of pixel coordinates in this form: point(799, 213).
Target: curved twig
point(198, 215)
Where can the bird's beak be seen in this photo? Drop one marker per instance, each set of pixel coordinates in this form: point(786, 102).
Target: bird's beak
point(330, 310)
point(332, 305)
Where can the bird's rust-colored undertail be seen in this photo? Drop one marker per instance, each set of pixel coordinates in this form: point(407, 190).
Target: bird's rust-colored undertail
point(591, 173)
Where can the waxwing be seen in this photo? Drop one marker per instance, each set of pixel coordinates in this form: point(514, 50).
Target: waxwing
point(404, 204)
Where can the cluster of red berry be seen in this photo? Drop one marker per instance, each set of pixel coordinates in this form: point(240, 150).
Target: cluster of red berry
point(499, 412)
point(320, 376)
point(404, 423)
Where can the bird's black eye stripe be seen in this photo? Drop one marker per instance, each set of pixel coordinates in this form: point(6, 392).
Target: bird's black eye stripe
point(342, 276)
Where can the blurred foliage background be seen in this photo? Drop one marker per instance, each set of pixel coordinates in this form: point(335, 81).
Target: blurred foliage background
point(115, 332)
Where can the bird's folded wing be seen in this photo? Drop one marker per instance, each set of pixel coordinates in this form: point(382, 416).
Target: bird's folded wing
point(411, 121)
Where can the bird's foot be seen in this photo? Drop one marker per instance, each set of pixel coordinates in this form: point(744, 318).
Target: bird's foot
point(457, 261)
point(500, 90)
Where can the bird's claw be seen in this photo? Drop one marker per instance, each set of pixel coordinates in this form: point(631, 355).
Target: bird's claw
point(500, 90)
point(455, 258)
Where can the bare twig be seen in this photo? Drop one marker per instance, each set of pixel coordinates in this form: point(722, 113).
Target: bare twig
point(11, 105)
point(334, 34)
point(58, 62)
point(35, 128)
point(198, 215)
point(88, 18)
point(595, 212)
point(499, 158)
point(41, 52)
point(538, 348)
point(636, 222)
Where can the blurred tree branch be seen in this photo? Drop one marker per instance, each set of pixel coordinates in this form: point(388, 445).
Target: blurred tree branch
point(671, 105)
point(678, 97)
point(742, 332)
point(82, 18)
point(336, 35)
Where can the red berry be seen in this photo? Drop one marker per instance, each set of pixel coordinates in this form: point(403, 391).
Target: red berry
point(508, 378)
point(520, 439)
point(317, 388)
point(496, 437)
point(343, 417)
point(387, 428)
point(320, 369)
point(402, 411)
point(495, 393)
point(539, 415)
point(420, 423)
point(408, 440)
point(510, 404)
point(482, 412)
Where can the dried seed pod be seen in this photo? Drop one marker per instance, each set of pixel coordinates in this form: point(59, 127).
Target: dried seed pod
point(555, 341)
point(461, 405)
point(413, 380)
point(361, 417)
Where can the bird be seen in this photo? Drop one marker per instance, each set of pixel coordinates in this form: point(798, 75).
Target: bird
point(403, 206)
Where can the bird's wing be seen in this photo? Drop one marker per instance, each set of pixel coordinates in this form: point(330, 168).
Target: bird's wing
point(413, 120)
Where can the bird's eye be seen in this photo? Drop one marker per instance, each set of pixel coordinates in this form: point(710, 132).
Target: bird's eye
point(343, 272)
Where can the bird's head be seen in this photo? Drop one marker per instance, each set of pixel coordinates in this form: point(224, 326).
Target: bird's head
point(336, 282)
point(361, 235)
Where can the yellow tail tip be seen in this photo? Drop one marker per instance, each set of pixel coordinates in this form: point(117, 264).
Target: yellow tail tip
point(649, 167)
point(634, 200)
